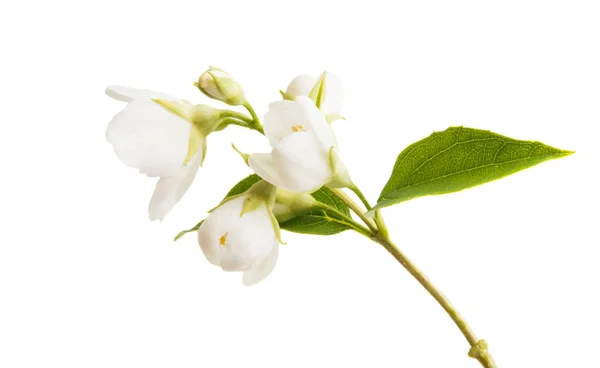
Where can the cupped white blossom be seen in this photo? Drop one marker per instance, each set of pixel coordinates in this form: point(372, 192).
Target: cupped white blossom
point(304, 148)
point(157, 142)
point(327, 85)
point(240, 242)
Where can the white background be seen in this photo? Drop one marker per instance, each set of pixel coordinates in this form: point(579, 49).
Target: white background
point(87, 281)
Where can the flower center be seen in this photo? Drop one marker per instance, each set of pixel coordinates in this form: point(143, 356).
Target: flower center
point(298, 128)
point(223, 239)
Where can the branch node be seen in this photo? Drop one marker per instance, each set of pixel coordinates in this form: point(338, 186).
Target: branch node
point(480, 352)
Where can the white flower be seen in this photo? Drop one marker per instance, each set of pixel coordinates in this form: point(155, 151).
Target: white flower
point(304, 155)
point(332, 93)
point(246, 243)
point(157, 142)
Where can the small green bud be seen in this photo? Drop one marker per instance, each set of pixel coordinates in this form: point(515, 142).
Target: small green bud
point(218, 84)
point(290, 204)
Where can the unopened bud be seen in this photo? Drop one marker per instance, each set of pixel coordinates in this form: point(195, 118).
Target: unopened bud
point(218, 84)
point(290, 204)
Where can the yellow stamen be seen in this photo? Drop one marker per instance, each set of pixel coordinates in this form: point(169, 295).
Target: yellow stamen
point(298, 128)
point(223, 239)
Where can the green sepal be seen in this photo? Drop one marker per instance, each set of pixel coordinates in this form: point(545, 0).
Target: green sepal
point(181, 108)
point(196, 141)
point(276, 227)
point(191, 230)
point(259, 194)
point(340, 177)
point(251, 204)
point(204, 146)
point(459, 158)
point(259, 190)
point(264, 191)
point(205, 118)
point(262, 194)
point(244, 156)
point(316, 94)
point(287, 96)
point(334, 117)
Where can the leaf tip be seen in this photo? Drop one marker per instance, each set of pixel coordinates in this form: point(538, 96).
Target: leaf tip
point(565, 153)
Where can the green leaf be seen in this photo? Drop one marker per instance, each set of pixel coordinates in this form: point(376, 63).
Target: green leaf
point(326, 196)
point(315, 221)
point(319, 221)
point(459, 158)
point(243, 185)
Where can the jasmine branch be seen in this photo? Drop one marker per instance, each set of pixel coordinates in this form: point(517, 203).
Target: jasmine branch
point(356, 209)
point(379, 234)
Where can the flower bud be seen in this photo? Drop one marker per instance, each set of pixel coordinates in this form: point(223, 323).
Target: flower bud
point(326, 92)
point(218, 84)
point(290, 204)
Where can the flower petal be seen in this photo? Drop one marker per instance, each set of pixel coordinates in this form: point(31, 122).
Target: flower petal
point(218, 224)
point(128, 94)
point(250, 241)
point(262, 165)
point(333, 96)
point(234, 242)
point(301, 85)
point(170, 190)
point(315, 122)
point(281, 119)
point(148, 137)
point(287, 117)
point(259, 272)
point(301, 163)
